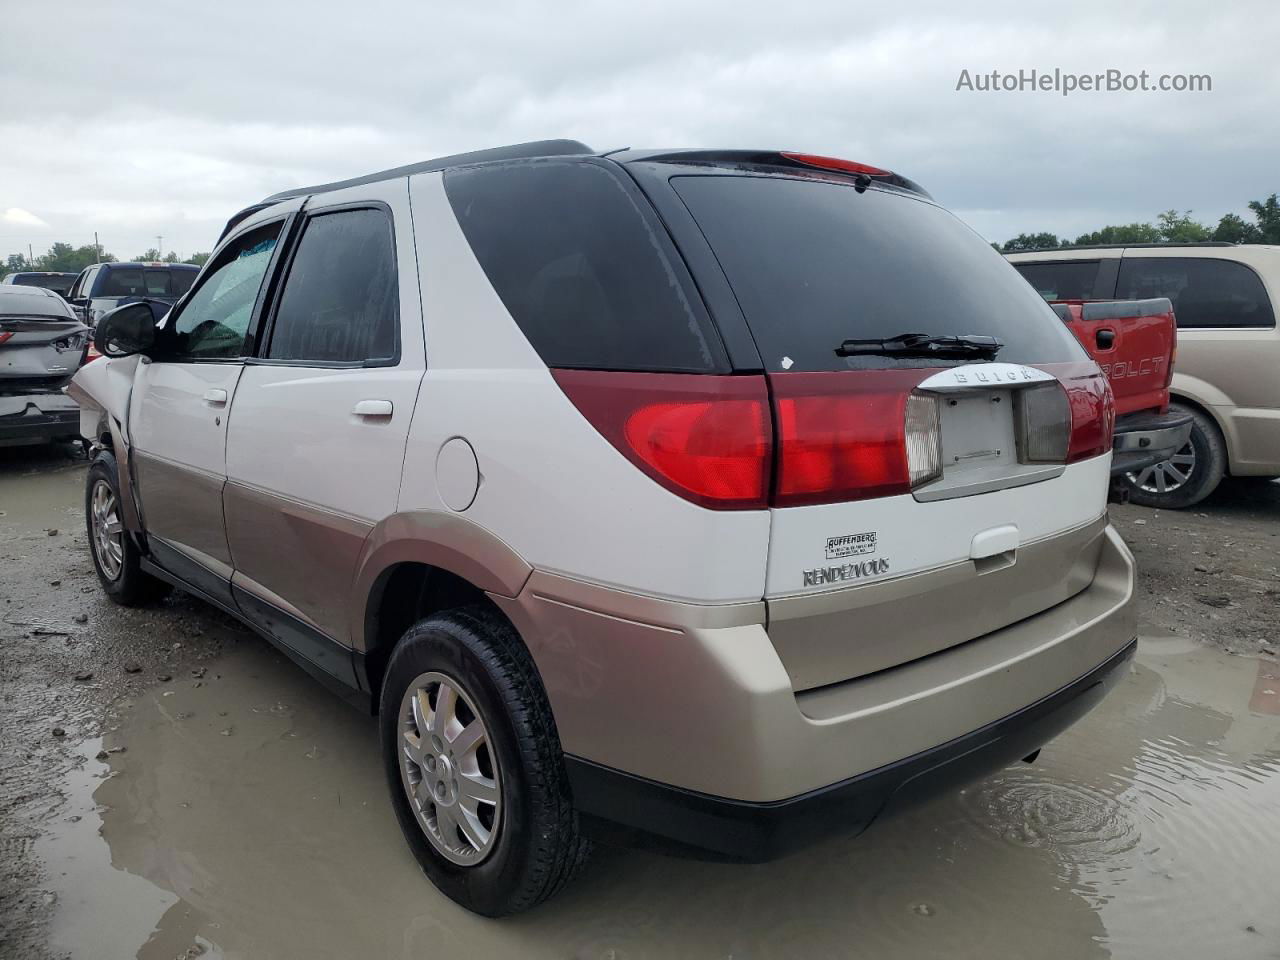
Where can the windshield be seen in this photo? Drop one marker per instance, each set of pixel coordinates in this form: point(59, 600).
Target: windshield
point(816, 263)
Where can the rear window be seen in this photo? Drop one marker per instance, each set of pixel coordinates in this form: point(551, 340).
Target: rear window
point(582, 264)
point(122, 282)
point(814, 263)
point(1205, 292)
point(146, 282)
point(1062, 280)
point(180, 281)
point(58, 284)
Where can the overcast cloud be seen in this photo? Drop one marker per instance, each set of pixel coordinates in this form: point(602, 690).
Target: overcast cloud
point(142, 119)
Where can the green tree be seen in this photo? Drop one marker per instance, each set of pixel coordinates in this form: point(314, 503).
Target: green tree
point(198, 258)
point(1267, 213)
point(1233, 228)
point(150, 255)
point(172, 257)
point(1180, 228)
point(1126, 233)
point(68, 259)
point(1031, 241)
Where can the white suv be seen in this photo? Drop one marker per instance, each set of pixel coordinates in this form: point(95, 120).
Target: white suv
point(730, 497)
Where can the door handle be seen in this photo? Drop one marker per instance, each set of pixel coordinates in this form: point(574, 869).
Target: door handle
point(373, 408)
point(1106, 339)
point(216, 397)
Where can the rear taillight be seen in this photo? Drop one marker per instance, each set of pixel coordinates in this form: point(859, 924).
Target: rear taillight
point(724, 443)
point(1042, 427)
point(706, 438)
point(92, 353)
point(842, 436)
point(1093, 410)
point(5, 335)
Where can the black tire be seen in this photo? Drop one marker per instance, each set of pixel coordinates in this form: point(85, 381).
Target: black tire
point(1206, 473)
point(130, 587)
point(538, 847)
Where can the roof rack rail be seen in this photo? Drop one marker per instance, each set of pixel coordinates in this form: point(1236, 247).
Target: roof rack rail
point(516, 151)
point(1125, 246)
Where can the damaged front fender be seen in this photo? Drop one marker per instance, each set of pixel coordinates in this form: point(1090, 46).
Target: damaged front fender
point(103, 390)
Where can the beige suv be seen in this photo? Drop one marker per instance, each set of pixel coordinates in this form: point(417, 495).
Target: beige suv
point(1227, 374)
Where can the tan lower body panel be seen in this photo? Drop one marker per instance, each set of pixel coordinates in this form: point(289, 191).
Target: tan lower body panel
point(183, 506)
point(296, 556)
point(711, 707)
point(836, 636)
point(1255, 446)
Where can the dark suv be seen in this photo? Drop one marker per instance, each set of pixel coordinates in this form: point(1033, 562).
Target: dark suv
point(105, 286)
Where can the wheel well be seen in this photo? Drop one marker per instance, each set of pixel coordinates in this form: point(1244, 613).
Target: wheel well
point(1208, 415)
point(401, 596)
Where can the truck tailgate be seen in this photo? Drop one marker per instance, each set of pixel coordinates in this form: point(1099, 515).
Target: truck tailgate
point(1133, 342)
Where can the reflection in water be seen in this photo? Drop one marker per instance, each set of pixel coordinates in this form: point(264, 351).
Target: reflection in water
point(249, 816)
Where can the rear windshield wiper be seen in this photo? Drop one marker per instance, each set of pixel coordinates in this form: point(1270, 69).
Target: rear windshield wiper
point(923, 345)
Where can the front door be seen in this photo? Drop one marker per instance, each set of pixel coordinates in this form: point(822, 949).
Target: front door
point(178, 412)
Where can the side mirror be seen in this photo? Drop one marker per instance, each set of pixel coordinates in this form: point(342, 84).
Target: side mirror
point(126, 330)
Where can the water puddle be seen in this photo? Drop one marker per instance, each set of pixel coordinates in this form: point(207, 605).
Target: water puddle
point(248, 818)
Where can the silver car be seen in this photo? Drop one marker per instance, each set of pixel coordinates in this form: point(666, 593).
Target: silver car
point(42, 344)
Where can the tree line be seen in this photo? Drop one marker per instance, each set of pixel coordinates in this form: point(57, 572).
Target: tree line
point(1170, 227)
point(66, 258)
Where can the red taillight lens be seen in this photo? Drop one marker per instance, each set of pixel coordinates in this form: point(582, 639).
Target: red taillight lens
point(706, 438)
point(5, 335)
point(1093, 410)
point(835, 163)
point(842, 436)
point(92, 353)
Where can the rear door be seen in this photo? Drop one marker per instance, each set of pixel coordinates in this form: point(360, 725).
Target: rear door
point(321, 416)
point(179, 406)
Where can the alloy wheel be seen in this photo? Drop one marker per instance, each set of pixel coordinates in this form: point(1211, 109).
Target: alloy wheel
point(107, 530)
point(449, 769)
point(1168, 475)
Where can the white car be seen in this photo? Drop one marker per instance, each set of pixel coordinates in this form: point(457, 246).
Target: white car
point(732, 497)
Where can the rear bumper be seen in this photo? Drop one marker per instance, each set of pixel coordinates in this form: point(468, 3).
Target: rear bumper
point(40, 417)
point(757, 832)
point(1143, 439)
point(695, 733)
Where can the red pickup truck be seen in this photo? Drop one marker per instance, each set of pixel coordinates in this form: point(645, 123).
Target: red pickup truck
point(1134, 341)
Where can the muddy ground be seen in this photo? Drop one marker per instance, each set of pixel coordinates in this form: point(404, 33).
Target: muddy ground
point(117, 725)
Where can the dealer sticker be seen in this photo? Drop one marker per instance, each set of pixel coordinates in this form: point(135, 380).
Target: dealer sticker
point(851, 545)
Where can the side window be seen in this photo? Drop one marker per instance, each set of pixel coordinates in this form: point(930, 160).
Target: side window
point(1206, 292)
point(583, 266)
point(339, 303)
point(213, 323)
point(1062, 279)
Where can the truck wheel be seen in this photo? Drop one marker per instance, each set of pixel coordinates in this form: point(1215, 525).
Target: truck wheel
point(115, 555)
point(1189, 475)
point(474, 764)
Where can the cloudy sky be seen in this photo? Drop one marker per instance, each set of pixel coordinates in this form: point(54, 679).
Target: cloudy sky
point(138, 120)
